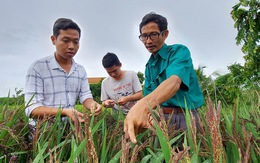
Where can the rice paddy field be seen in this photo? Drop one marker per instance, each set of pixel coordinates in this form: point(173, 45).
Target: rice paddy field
point(227, 133)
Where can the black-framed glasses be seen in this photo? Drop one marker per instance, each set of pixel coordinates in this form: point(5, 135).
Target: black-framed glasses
point(152, 36)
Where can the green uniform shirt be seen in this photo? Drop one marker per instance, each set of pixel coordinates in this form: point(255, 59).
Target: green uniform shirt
point(174, 60)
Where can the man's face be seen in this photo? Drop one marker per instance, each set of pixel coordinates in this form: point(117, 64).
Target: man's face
point(114, 71)
point(67, 43)
point(155, 38)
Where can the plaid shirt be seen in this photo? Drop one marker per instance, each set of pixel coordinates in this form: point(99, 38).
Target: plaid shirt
point(47, 84)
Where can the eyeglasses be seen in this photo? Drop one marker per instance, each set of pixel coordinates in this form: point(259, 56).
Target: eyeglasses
point(152, 36)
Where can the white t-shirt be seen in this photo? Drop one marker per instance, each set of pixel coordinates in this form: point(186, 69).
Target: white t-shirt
point(114, 89)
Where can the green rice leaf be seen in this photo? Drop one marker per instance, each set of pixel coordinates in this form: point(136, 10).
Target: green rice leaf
point(78, 150)
point(116, 158)
point(163, 143)
point(146, 158)
point(39, 157)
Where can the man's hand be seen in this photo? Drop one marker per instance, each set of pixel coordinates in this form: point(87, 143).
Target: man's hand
point(137, 120)
point(108, 103)
point(95, 108)
point(73, 114)
point(122, 100)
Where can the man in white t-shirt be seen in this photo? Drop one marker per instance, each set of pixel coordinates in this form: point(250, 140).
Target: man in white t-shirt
point(121, 89)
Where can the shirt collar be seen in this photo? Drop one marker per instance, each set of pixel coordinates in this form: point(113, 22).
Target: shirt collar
point(163, 53)
point(55, 65)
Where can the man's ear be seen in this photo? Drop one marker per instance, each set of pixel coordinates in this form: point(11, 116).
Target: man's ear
point(166, 33)
point(53, 40)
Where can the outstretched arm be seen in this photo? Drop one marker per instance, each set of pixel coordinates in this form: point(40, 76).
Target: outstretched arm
point(136, 120)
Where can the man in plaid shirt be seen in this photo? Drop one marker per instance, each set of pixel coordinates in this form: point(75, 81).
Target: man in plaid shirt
point(55, 82)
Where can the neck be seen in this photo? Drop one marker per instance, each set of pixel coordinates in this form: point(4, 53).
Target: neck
point(122, 73)
point(64, 63)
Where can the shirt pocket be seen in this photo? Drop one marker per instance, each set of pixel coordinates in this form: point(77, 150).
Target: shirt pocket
point(150, 85)
point(147, 87)
point(161, 76)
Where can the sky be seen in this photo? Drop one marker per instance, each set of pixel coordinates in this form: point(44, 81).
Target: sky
point(205, 27)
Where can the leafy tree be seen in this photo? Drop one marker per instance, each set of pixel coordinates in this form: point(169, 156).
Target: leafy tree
point(96, 91)
point(223, 89)
point(141, 77)
point(246, 15)
point(204, 81)
point(237, 74)
point(228, 87)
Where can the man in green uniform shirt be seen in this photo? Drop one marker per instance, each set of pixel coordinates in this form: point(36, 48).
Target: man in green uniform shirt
point(170, 79)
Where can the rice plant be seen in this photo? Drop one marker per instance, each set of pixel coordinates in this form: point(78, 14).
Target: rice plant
point(223, 134)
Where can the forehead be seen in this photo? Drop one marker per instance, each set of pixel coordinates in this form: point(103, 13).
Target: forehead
point(150, 27)
point(111, 69)
point(69, 33)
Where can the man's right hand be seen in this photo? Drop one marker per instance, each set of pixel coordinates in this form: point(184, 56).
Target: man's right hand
point(137, 120)
point(73, 114)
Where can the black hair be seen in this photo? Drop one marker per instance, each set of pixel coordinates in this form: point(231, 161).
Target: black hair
point(109, 60)
point(64, 24)
point(156, 18)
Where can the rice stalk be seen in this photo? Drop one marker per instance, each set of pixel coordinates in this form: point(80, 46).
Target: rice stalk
point(51, 157)
point(162, 132)
point(137, 149)
point(125, 150)
point(203, 135)
point(178, 157)
point(116, 143)
point(11, 133)
point(236, 136)
point(38, 131)
point(192, 131)
point(258, 98)
point(13, 159)
point(247, 154)
point(213, 118)
point(77, 128)
point(90, 147)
